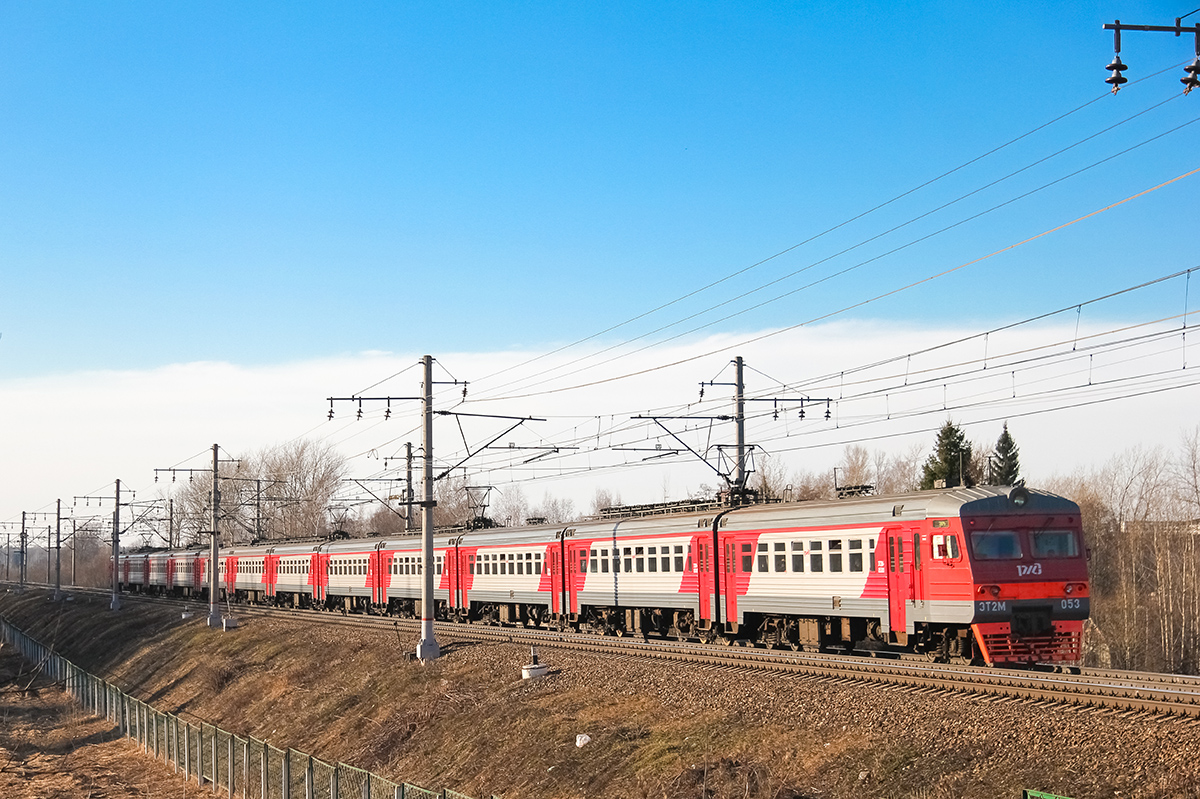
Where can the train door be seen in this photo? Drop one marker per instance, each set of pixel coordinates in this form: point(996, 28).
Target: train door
point(377, 568)
point(270, 577)
point(729, 580)
point(170, 574)
point(900, 582)
point(576, 574)
point(558, 585)
point(231, 575)
point(706, 582)
point(917, 584)
point(318, 574)
point(452, 573)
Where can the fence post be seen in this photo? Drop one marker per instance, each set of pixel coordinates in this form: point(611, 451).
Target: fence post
point(229, 767)
point(265, 772)
point(366, 789)
point(308, 779)
point(335, 789)
point(187, 751)
point(246, 768)
point(216, 778)
point(286, 775)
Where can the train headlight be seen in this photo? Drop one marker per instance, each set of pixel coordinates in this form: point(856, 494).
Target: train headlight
point(995, 590)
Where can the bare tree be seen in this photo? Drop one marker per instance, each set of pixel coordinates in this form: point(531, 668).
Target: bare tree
point(604, 498)
point(555, 510)
point(855, 467)
point(770, 476)
point(511, 508)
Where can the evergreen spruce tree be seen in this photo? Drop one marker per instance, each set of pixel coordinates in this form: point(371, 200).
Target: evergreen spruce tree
point(1006, 467)
point(951, 453)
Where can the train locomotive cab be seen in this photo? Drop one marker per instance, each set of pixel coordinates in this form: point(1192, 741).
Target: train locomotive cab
point(1029, 576)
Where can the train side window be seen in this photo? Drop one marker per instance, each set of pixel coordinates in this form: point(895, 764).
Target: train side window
point(503, 565)
point(604, 561)
point(798, 557)
point(639, 558)
point(747, 558)
point(652, 559)
point(438, 564)
point(520, 566)
point(470, 564)
point(952, 545)
point(537, 563)
point(628, 560)
point(780, 557)
point(856, 558)
point(595, 567)
point(916, 551)
point(891, 554)
point(763, 558)
point(679, 556)
point(835, 556)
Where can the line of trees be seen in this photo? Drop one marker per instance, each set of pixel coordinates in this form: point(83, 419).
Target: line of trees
point(1141, 520)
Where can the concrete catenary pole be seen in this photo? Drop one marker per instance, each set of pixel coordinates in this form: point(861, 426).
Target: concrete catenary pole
point(58, 551)
point(427, 649)
point(115, 604)
point(739, 415)
point(408, 491)
point(214, 607)
point(23, 551)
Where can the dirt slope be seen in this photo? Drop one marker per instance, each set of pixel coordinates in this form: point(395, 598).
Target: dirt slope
point(469, 723)
point(50, 750)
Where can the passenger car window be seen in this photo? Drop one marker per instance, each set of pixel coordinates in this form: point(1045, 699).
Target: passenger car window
point(762, 557)
point(798, 556)
point(780, 557)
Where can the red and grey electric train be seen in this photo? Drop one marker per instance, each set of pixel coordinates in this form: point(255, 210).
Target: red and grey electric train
point(989, 574)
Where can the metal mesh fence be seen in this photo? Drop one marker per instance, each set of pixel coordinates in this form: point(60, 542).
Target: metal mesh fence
point(213, 758)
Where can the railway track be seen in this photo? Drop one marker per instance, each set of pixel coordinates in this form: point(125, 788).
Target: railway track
point(1170, 694)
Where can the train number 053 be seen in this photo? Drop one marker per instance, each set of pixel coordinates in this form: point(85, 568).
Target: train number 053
point(1071, 604)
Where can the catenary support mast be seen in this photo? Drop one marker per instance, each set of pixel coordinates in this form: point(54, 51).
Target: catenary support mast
point(214, 606)
point(427, 649)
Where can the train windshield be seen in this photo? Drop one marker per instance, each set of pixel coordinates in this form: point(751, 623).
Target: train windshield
point(1053, 544)
point(995, 545)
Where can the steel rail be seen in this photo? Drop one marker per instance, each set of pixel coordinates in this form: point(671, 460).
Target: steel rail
point(1170, 694)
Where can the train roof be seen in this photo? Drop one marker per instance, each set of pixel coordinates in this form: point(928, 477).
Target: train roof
point(875, 510)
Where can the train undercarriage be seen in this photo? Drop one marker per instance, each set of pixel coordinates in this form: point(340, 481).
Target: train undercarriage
point(960, 644)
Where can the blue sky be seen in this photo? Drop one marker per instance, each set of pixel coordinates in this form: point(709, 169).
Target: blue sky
point(281, 182)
